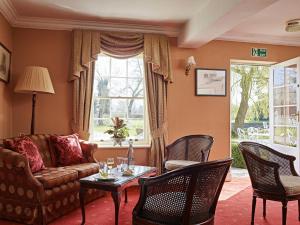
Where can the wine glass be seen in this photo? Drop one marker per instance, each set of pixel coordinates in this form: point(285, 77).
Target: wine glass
point(110, 162)
point(102, 169)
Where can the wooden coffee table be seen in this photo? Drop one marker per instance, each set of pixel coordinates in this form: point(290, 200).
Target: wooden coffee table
point(115, 187)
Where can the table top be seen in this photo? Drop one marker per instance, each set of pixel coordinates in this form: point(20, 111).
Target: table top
point(138, 171)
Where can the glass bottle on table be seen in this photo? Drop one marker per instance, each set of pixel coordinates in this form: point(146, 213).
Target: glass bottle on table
point(130, 154)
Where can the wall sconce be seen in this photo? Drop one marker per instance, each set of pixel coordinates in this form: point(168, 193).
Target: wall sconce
point(190, 62)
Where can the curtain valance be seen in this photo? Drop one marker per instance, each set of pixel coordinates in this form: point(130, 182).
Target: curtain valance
point(157, 52)
point(122, 45)
point(88, 44)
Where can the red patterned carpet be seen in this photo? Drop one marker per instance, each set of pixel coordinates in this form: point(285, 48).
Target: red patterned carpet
point(235, 210)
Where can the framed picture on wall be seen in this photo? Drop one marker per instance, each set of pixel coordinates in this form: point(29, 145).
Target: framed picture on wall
point(210, 82)
point(5, 58)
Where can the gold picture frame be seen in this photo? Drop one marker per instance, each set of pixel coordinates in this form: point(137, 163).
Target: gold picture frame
point(5, 61)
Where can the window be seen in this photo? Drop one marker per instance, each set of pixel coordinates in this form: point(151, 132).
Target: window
point(119, 90)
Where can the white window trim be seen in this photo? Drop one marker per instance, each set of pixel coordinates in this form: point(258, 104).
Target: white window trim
point(146, 143)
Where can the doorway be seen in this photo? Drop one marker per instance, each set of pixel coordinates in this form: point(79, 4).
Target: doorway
point(250, 116)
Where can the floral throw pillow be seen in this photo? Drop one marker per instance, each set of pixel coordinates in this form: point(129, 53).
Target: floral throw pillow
point(68, 149)
point(27, 148)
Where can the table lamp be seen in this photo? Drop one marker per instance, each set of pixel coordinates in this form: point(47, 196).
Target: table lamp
point(34, 80)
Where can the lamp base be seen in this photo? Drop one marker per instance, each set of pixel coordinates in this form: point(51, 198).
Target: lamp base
point(33, 114)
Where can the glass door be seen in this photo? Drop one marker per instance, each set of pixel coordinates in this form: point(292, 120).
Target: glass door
point(284, 107)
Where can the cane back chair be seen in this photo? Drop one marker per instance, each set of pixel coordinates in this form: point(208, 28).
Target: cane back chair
point(273, 176)
point(187, 150)
point(184, 196)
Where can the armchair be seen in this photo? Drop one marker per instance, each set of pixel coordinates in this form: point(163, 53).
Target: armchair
point(273, 176)
point(185, 196)
point(187, 150)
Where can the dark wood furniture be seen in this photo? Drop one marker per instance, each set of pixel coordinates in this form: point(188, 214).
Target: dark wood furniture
point(115, 187)
point(184, 196)
point(273, 176)
point(189, 148)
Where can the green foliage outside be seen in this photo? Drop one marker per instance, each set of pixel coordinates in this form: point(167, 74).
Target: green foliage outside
point(238, 160)
point(250, 99)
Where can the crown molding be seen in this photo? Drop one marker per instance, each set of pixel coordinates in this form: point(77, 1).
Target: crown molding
point(260, 39)
point(9, 12)
point(62, 24)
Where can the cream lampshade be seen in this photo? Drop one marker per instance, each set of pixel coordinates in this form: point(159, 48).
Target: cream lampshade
point(34, 80)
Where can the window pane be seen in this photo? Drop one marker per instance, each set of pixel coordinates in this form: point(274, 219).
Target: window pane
point(135, 67)
point(101, 108)
point(136, 87)
point(136, 128)
point(136, 108)
point(118, 92)
point(118, 67)
point(100, 126)
point(119, 108)
point(118, 87)
point(101, 86)
point(102, 66)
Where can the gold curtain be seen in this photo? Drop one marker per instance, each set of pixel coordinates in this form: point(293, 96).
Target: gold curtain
point(86, 47)
point(158, 74)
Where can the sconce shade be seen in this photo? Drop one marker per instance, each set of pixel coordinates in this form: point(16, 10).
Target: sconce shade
point(191, 60)
point(35, 79)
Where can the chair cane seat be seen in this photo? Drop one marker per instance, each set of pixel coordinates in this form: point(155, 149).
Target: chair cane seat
point(176, 164)
point(291, 184)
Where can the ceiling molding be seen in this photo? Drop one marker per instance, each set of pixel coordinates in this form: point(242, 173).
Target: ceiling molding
point(261, 39)
point(61, 24)
point(9, 12)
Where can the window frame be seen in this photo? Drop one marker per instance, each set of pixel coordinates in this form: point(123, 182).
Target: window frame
point(109, 143)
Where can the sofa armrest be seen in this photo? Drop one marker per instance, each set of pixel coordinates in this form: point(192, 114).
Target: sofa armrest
point(88, 149)
point(16, 179)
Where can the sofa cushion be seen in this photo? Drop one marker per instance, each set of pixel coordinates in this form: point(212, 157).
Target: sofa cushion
point(41, 141)
point(27, 148)
point(176, 164)
point(85, 169)
point(68, 149)
point(52, 177)
point(291, 184)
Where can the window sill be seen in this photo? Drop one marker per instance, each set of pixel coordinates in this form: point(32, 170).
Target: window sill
point(137, 146)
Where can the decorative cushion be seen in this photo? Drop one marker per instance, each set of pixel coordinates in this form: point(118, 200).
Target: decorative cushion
point(26, 147)
point(40, 140)
point(176, 164)
point(68, 149)
point(52, 177)
point(291, 184)
point(85, 169)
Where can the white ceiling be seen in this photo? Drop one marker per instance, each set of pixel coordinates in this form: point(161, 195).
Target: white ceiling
point(195, 22)
point(173, 11)
point(268, 24)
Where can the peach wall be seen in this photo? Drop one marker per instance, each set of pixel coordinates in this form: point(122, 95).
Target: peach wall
point(6, 39)
point(190, 114)
point(49, 49)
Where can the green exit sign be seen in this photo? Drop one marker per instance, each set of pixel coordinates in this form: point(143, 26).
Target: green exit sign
point(259, 52)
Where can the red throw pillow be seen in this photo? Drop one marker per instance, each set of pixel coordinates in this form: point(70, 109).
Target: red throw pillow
point(27, 148)
point(68, 149)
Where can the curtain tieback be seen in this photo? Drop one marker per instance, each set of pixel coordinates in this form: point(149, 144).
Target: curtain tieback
point(159, 132)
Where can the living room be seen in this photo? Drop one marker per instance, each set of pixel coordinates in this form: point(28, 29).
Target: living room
point(42, 34)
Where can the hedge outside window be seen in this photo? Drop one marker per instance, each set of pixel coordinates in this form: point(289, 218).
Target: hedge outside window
point(119, 91)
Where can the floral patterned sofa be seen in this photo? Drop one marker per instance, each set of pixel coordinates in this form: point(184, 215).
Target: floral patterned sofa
point(38, 198)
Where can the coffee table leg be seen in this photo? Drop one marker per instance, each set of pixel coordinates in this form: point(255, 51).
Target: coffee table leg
point(81, 199)
point(117, 199)
point(126, 198)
